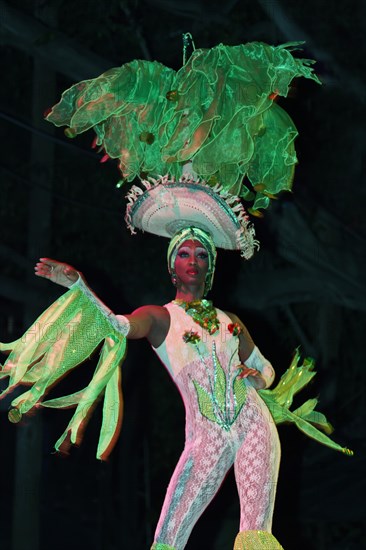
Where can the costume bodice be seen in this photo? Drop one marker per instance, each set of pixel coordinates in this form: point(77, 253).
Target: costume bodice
point(176, 354)
point(205, 371)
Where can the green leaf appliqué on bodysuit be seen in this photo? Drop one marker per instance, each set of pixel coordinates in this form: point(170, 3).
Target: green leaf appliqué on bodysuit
point(240, 393)
point(205, 402)
point(218, 404)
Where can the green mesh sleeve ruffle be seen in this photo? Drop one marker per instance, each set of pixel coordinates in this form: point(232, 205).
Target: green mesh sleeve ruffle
point(306, 418)
point(217, 111)
point(64, 336)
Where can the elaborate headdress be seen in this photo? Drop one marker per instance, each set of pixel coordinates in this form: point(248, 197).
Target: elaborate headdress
point(177, 209)
point(217, 111)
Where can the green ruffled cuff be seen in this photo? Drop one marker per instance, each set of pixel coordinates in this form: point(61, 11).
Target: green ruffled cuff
point(62, 338)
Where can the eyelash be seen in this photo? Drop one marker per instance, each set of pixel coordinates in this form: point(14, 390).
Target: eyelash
point(202, 255)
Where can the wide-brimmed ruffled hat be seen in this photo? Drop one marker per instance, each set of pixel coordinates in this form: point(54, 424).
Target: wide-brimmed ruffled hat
point(165, 206)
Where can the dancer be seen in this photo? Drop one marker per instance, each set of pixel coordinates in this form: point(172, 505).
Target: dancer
point(217, 369)
point(221, 374)
point(219, 113)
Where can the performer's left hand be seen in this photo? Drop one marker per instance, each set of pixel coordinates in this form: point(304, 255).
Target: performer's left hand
point(57, 272)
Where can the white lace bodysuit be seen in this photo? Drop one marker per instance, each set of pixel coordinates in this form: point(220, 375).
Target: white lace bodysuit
point(226, 423)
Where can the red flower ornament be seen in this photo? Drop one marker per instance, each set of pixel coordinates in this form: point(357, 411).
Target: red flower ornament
point(234, 329)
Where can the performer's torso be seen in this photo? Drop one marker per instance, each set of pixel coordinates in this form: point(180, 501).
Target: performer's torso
point(176, 354)
point(206, 372)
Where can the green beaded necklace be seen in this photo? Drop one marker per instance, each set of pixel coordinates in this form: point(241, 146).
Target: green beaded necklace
point(202, 312)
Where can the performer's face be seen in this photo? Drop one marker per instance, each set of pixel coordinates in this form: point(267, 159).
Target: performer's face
point(191, 263)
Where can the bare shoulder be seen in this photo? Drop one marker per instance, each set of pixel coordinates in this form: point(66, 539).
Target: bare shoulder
point(233, 317)
point(246, 341)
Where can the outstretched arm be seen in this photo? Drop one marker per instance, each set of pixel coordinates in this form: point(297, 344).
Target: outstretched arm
point(151, 322)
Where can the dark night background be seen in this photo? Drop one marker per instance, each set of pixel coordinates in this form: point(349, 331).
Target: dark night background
point(305, 287)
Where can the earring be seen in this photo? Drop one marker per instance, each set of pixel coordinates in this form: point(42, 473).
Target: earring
point(174, 279)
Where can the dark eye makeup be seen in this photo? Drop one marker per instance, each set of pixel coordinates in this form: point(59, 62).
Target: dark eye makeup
point(200, 253)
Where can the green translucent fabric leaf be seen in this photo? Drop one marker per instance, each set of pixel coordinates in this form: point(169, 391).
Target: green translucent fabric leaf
point(121, 105)
point(307, 407)
point(137, 88)
point(305, 417)
point(261, 201)
point(205, 402)
point(280, 415)
point(293, 380)
point(245, 193)
point(106, 374)
point(307, 412)
point(274, 158)
point(55, 326)
point(63, 337)
point(216, 111)
point(64, 402)
point(223, 93)
point(112, 413)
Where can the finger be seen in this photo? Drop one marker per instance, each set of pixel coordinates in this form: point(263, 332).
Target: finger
point(48, 262)
point(43, 269)
point(250, 372)
point(45, 261)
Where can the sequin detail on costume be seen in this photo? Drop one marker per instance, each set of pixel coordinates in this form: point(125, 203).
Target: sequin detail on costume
point(224, 399)
point(256, 540)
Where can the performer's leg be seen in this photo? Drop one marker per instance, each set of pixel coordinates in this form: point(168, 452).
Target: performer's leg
point(196, 479)
point(161, 546)
point(256, 469)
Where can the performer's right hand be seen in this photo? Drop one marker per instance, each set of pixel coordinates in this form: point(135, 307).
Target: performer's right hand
point(57, 272)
